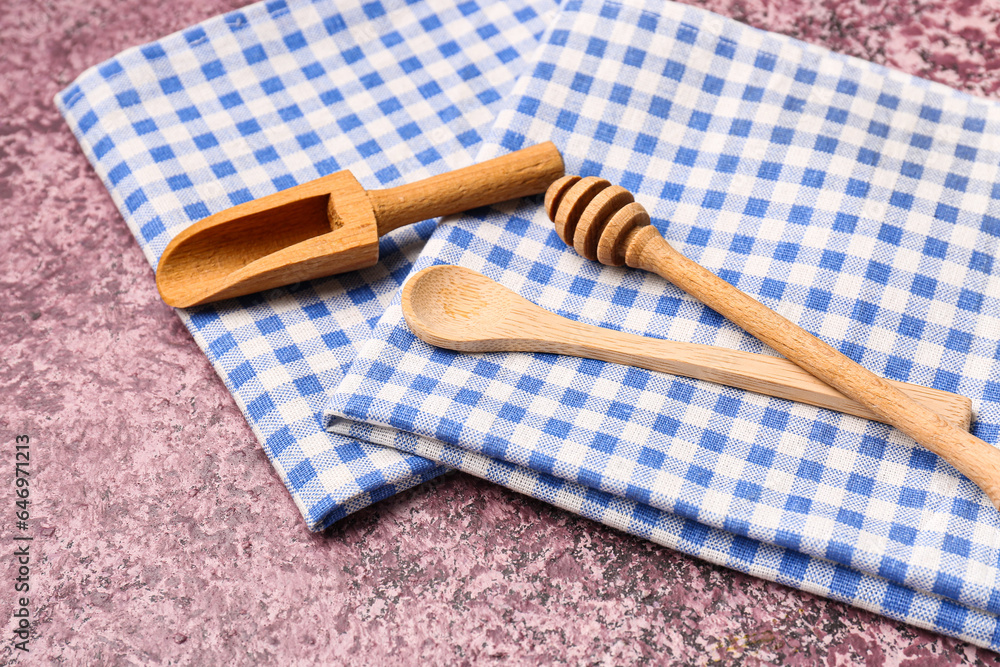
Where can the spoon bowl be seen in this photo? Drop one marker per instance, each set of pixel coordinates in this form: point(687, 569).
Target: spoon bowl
point(457, 308)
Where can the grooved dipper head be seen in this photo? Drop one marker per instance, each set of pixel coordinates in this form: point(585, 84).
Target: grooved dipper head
point(596, 218)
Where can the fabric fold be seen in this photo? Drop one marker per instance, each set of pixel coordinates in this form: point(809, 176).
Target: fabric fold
point(273, 95)
point(857, 201)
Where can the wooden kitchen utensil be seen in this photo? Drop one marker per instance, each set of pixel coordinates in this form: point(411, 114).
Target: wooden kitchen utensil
point(330, 225)
point(459, 309)
point(602, 222)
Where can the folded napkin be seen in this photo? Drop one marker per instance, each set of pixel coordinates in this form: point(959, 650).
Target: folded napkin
point(859, 202)
point(273, 95)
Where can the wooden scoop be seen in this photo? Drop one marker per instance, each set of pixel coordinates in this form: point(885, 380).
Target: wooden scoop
point(459, 309)
point(601, 221)
point(330, 225)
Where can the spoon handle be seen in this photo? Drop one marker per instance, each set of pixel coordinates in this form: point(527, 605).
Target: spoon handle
point(771, 376)
point(525, 172)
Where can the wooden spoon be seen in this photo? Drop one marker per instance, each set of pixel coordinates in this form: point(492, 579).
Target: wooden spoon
point(330, 225)
point(459, 309)
point(602, 222)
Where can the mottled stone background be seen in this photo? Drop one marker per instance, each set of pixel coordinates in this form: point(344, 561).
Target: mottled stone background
point(161, 532)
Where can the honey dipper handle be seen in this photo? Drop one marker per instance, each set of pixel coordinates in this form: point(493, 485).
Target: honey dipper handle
point(519, 174)
point(971, 456)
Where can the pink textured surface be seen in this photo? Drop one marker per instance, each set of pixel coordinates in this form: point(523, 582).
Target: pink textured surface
point(161, 532)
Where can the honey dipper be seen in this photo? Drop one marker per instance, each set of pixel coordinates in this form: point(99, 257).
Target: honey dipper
point(604, 223)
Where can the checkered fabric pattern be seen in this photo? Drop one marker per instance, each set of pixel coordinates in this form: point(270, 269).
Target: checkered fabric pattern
point(276, 94)
point(857, 201)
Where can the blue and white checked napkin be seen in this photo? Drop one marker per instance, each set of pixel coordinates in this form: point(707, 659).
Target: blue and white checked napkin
point(280, 93)
point(862, 203)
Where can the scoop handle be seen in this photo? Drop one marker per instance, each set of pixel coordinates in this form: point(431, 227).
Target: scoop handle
point(525, 172)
